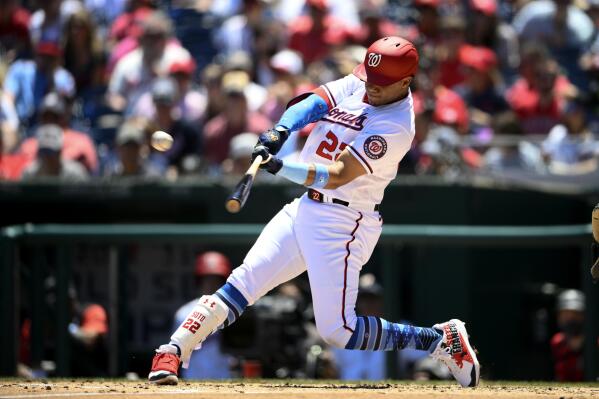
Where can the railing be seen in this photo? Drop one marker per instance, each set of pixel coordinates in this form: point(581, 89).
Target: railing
point(64, 237)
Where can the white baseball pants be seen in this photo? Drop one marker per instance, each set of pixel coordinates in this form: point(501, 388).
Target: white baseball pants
point(332, 242)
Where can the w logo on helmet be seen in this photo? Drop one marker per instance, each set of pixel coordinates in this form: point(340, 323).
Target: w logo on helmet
point(374, 59)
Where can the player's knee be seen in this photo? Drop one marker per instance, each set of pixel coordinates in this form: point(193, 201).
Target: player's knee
point(334, 336)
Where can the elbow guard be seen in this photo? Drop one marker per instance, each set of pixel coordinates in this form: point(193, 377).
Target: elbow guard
point(309, 110)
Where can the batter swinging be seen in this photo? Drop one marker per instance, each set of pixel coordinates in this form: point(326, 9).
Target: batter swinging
point(365, 127)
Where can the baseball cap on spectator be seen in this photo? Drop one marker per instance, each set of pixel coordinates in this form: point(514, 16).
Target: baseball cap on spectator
point(487, 7)
point(235, 82)
point(49, 137)
point(48, 48)
point(480, 58)
point(571, 300)
point(368, 285)
point(450, 109)
point(387, 61)
point(186, 67)
point(238, 61)
point(130, 133)
point(212, 263)
point(242, 145)
point(164, 91)
point(287, 61)
point(53, 103)
point(94, 319)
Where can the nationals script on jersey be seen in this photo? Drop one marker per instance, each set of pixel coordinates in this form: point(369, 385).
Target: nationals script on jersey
point(378, 137)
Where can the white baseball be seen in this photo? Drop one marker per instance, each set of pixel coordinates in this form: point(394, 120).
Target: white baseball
point(161, 141)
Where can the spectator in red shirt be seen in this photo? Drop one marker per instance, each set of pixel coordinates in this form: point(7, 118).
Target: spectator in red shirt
point(480, 89)
point(315, 34)
point(538, 96)
point(11, 165)
point(567, 345)
point(448, 51)
point(49, 164)
point(14, 29)
point(233, 120)
point(77, 146)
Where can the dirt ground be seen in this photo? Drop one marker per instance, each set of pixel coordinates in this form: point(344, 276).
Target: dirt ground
point(19, 388)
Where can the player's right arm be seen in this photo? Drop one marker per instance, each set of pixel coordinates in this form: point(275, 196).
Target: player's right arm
point(314, 175)
point(368, 153)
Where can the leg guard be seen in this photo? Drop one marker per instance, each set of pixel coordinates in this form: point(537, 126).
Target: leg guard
point(207, 315)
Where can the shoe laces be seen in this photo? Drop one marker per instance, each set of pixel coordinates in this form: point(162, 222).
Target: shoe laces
point(442, 353)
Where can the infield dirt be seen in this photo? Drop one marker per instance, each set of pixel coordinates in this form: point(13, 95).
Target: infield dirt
point(115, 389)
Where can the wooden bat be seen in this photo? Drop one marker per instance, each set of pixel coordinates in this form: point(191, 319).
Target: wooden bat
point(237, 199)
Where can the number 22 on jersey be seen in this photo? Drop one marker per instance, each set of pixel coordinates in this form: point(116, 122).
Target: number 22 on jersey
point(329, 146)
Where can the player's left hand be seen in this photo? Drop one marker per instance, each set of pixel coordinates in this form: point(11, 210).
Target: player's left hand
point(270, 163)
point(273, 139)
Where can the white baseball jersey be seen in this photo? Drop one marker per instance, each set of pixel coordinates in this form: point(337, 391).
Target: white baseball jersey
point(331, 241)
point(377, 136)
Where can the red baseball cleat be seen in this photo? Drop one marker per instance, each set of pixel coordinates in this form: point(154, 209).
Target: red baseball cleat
point(165, 366)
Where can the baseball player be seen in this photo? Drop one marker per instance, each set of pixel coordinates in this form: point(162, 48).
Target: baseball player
point(364, 127)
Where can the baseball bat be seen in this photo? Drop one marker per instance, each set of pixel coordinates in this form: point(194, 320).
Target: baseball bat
point(237, 199)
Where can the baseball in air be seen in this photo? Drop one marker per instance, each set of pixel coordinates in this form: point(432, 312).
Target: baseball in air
point(161, 141)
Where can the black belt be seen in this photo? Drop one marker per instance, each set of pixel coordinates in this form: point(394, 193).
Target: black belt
point(319, 197)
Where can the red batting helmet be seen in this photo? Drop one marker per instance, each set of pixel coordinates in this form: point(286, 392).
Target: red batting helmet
point(388, 60)
point(214, 263)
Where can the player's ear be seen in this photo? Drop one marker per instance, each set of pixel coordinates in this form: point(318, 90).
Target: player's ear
point(406, 82)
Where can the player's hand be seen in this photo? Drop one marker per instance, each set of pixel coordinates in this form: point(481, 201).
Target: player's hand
point(270, 163)
point(273, 139)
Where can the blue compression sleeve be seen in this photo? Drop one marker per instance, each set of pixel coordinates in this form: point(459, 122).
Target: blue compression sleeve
point(297, 172)
point(321, 177)
point(306, 111)
point(294, 171)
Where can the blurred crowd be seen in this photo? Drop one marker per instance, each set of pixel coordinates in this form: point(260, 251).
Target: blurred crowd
point(503, 84)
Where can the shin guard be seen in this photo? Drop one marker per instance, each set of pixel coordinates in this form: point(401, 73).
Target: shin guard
point(207, 315)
